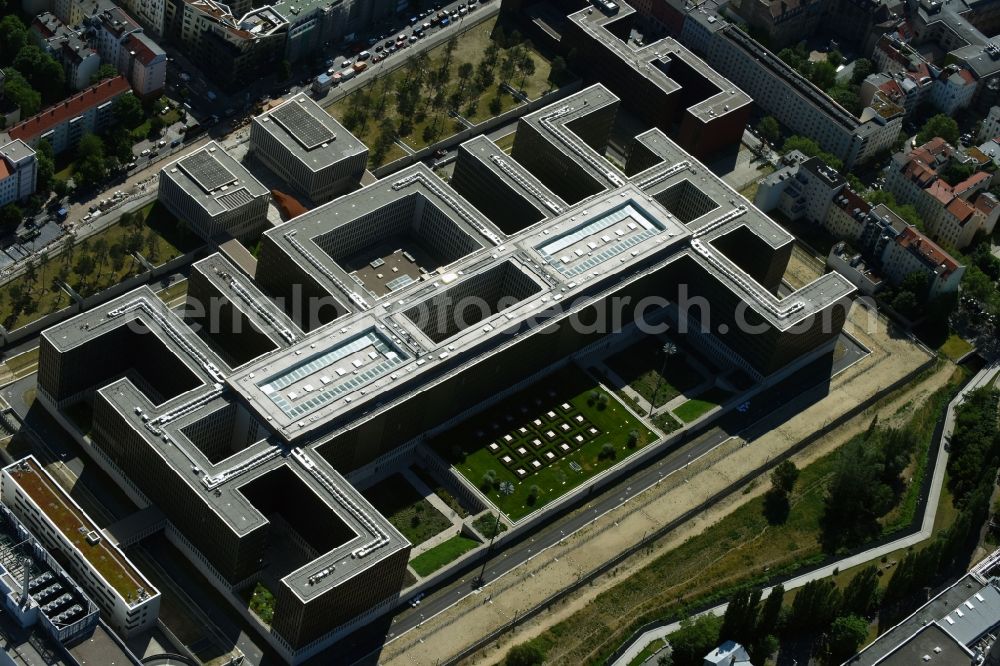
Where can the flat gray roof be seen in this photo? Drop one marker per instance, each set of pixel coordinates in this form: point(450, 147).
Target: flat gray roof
point(507, 169)
point(644, 60)
point(322, 383)
point(298, 237)
point(214, 179)
point(248, 299)
point(15, 150)
point(311, 135)
point(901, 644)
point(217, 483)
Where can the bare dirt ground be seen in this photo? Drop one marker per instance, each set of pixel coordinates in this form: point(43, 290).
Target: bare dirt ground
point(802, 268)
point(442, 636)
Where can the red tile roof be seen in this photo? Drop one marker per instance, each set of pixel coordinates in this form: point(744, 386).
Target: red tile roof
point(142, 50)
point(4, 171)
point(848, 200)
point(941, 191)
point(971, 182)
point(927, 249)
point(960, 208)
point(26, 130)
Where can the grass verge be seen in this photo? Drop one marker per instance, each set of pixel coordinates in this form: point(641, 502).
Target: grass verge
point(696, 407)
point(742, 549)
point(444, 553)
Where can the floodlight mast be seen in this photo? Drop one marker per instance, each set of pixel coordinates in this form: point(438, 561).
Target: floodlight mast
point(506, 488)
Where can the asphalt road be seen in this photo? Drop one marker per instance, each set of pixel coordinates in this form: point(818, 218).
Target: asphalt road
point(808, 385)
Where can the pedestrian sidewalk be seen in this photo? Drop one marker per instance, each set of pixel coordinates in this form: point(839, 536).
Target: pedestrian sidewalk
point(983, 378)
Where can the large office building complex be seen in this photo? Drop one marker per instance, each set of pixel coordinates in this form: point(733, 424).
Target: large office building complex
point(382, 315)
point(308, 149)
point(215, 194)
point(663, 82)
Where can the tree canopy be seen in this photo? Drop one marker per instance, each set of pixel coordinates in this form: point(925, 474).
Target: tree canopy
point(941, 125)
point(20, 92)
point(809, 147)
point(42, 72)
point(695, 639)
point(846, 635)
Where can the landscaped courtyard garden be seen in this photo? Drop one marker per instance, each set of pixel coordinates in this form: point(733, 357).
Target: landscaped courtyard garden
point(408, 512)
point(640, 366)
point(536, 445)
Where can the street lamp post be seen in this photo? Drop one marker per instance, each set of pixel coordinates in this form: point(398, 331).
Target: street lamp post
point(668, 349)
point(506, 489)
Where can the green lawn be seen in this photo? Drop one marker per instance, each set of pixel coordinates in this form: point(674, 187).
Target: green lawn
point(506, 142)
point(409, 513)
point(377, 99)
point(592, 417)
point(22, 362)
point(159, 238)
point(955, 347)
point(640, 366)
point(442, 554)
point(173, 292)
point(262, 603)
point(741, 549)
point(487, 523)
point(696, 407)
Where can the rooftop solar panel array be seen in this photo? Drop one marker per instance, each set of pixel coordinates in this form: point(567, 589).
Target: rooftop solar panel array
point(301, 124)
point(208, 172)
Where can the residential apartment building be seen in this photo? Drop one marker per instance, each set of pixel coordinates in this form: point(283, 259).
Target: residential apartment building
point(308, 149)
point(64, 124)
point(239, 40)
point(803, 188)
point(798, 104)
point(215, 194)
point(910, 79)
point(18, 170)
point(846, 215)
point(150, 13)
point(885, 246)
point(237, 46)
point(788, 22)
point(953, 213)
point(69, 48)
point(990, 129)
point(129, 600)
point(120, 40)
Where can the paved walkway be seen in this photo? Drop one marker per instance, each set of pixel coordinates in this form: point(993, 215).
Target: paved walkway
point(440, 505)
point(983, 378)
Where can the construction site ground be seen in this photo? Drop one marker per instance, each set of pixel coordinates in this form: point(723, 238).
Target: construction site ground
point(477, 615)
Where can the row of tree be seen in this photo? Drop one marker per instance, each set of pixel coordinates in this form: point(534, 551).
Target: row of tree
point(425, 91)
